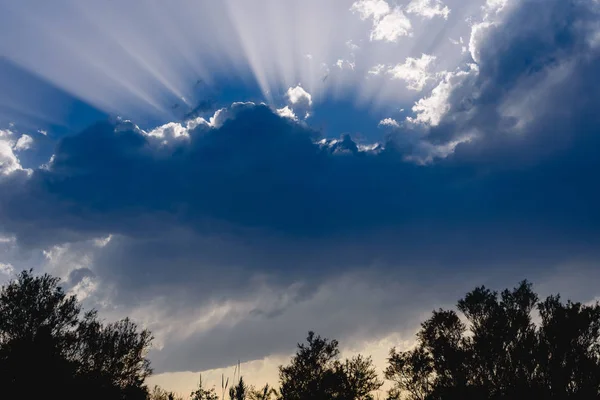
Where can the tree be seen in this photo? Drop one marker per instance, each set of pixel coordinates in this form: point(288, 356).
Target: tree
point(315, 372)
point(159, 393)
point(45, 338)
point(239, 391)
point(499, 353)
point(357, 378)
point(203, 393)
point(264, 393)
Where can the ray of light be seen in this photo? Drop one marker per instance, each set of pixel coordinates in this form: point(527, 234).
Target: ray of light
point(144, 58)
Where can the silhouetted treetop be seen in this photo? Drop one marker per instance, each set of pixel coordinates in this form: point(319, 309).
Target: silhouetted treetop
point(44, 337)
point(496, 351)
point(316, 372)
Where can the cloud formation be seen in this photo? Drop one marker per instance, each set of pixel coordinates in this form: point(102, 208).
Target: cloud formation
point(428, 8)
point(389, 24)
point(415, 71)
point(9, 162)
point(249, 227)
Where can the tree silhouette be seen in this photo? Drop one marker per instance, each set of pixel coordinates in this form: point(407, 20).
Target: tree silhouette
point(203, 393)
point(159, 393)
point(498, 352)
point(264, 393)
point(239, 391)
point(315, 372)
point(44, 338)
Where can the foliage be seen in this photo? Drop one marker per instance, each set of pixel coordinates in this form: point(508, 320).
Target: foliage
point(264, 393)
point(499, 353)
point(202, 393)
point(315, 372)
point(490, 348)
point(239, 391)
point(160, 394)
point(43, 333)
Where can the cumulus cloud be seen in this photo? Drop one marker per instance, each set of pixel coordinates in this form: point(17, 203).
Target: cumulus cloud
point(287, 112)
point(8, 160)
point(172, 130)
point(299, 103)
point(376, 9)
point(428, 8)
point(389, 24)
point(392, 26)
point(389, 122)
point(297, 95)
point(24, 143)
point(512, 106)
point(415, 71)
point(432, 109)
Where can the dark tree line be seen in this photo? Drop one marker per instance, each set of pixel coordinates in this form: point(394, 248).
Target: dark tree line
point(496, 351)
point(507, 345)
point(49, 348)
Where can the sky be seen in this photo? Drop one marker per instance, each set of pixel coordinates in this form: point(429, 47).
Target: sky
point(233, 174)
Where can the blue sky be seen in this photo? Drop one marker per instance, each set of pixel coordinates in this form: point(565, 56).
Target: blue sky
point(233, 174)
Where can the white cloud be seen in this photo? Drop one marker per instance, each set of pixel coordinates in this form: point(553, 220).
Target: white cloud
point(495, 6)
point(390, 122)
point(299, 103)
point(428, 152)
point(428, 8)
point(6, 269)
point(43, 132)
point(9, 162)
point(298, 94)
point(391, 27)
point(376, 70)
point(225, 114)
point(430, 110)
point(61, 260)
point(376, 9)
point(460, 42)
point(478, 32)
point(287, 112)
point(194, 123)
point(84, 288)
point(388, 24)
point(493, 10)
point(172, 130)
point(46, 166)
point(24, 143)
point(415, 71)
point(345, 64)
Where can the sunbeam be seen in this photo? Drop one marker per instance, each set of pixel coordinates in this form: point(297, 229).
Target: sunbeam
point(143, 59)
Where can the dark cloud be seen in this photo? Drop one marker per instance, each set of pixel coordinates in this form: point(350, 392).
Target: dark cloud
point(259, 202)
point(533, 93)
